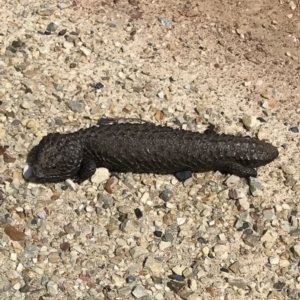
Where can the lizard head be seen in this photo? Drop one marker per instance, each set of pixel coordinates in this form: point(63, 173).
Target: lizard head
point(56, 158)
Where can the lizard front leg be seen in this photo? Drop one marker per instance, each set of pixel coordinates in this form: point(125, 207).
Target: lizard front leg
point(87, 169)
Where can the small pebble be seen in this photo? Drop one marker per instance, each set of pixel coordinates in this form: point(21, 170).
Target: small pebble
point(164, 245)
point(290, 170)
point(251, 240)
point(184, 175)
point(168, 237)
point(165, 22)
point(62, 5)
point(62, 32)
point(98, 86)
point(27, 172)
point(138, 213)
point(158, 233)
point(250, 122)
point(130, 279)
point(52, 288)
point(274, 260)
point(139, 291)
point(279, 285)
point(202, 240)
point(176, 277)
point(256, 187)
point(225, 270)
point(166, 195)
point(52, 27)
point(294, 129)
point(76, 106)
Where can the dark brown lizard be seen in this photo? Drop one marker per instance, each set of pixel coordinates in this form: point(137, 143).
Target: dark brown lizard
point(145, 148)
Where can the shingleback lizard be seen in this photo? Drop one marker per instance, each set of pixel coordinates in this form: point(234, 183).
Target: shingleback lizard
point(145, 148)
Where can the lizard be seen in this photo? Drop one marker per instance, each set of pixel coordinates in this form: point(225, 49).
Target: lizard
point(145, 148)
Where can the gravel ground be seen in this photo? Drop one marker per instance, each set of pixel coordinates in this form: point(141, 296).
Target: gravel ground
point(65, 65)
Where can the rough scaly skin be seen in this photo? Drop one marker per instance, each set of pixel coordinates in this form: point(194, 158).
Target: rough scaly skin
point(145, 148)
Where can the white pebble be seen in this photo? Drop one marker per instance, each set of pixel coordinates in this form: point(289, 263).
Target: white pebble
point(86, 51)
point(71, 184)
point(117, 44)
point(13, 256)
point(101, 175)
point(274, 260)
point(180, 221)
point(17, 286)
point(27, 172)
point(250, 122)
point(52, 287)
point(144, 197)
point(160, 95)
point(164, 245)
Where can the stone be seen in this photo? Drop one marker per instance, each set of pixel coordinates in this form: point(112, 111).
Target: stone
point(130, 226)
point(165, 22)
point(154, 265)
point(164, 245)
point(250, 122)
point(139, 291)
point(161, 95)
point(268, 214)
point(14, 234)
point(62, 5)
point(76, 106)
point(27, 172)
point(176, 277)
point(101, 175)
point(243, 204)
point(251, 239)
point(168, 237)
point(130, 279)
point(292, 5)
point(232, 180)
point(238, 283)
point(71, 184)
point(32, 124)
point(179, 269)
point(221, 251)
point(255, 186)
point(52, 287)
point(289, 170)
point(274, 260)
point(45, 12)
point(188, 272)
point(54, 257)
point(175, 286)
point(235, 267)
point(296, 251)
point(138, 251)
point(170, 218)
point(166, 195)
point(86, 51)
point(111, 185)
point(117, 280)
point(2, 132)
point(68, 45)
point(269, 236)
point(52, 27)
point(65, 246)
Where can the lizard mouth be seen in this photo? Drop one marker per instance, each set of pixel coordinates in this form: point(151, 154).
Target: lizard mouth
point(35, 173)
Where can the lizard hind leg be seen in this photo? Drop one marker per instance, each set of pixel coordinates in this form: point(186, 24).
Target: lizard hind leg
point(236, 169)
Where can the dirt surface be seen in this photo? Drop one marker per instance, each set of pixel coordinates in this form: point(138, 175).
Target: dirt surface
point(232, 64)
